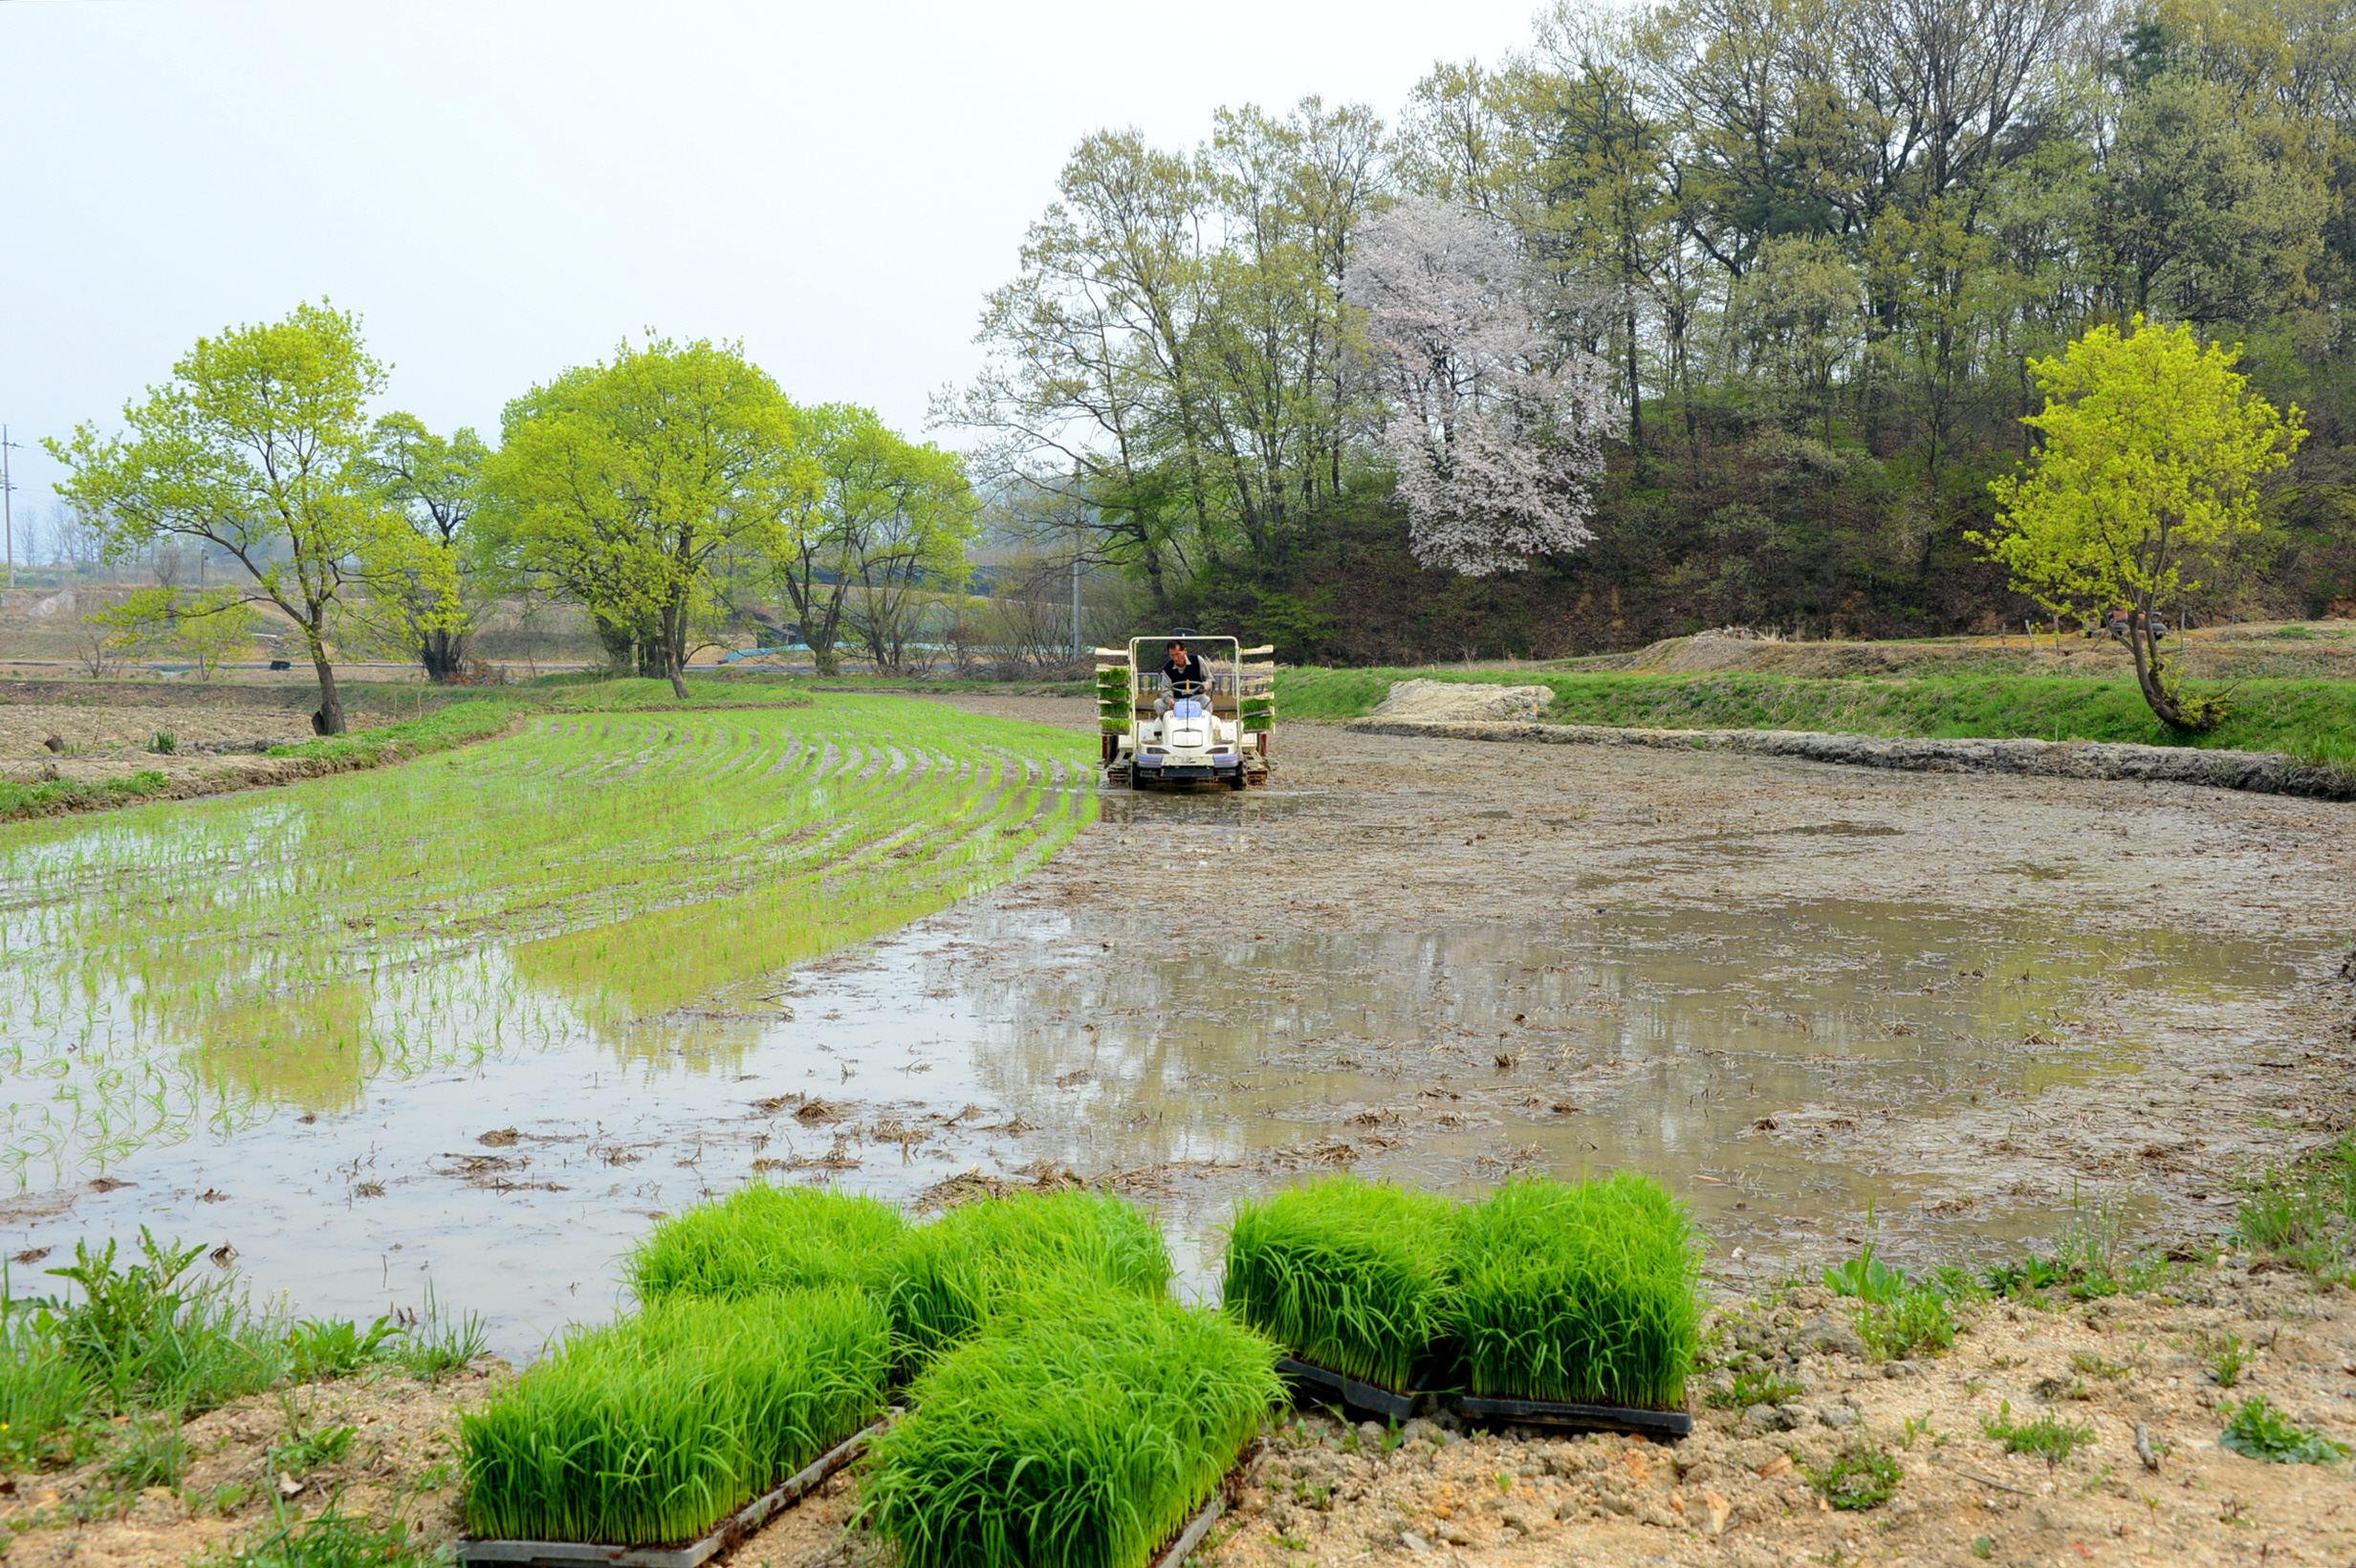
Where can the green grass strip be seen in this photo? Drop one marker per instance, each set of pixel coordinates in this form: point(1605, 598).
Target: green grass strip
point(1077, 1433)
point(954, 1274)
point(1346, 1274)
point(652, 1429)
point(2315, 720)
point(57, 797)
point(1579, 1293)
point(765, 1238)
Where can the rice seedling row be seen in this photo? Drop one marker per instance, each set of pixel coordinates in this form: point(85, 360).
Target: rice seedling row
point(194, 964)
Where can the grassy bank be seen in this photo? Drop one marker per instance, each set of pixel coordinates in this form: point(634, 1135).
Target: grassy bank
point(2312, 719)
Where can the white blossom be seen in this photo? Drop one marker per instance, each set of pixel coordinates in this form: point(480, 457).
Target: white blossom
point(1497, 433)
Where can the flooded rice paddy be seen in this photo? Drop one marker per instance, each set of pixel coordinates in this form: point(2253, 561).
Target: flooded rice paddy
point(470, 1026)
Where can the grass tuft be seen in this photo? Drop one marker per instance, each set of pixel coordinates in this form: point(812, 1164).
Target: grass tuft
point(650, 1429)
point(1859, 1477)
point(2047, 1437)
point(1077, 1433)
point(767, 1238)
point(1346, 1274)
point(1579, 1293)
point(948, 1277)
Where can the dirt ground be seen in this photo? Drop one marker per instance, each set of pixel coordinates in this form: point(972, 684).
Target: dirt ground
point(1374, 833)
point(107, 732)
point(401, 1457)
point(1738, 1492)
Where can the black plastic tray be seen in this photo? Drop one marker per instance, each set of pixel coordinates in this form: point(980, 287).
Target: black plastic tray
point(1585, 1418)
point(1370, 1397)
point(1191, 1537)
point(728, 1533)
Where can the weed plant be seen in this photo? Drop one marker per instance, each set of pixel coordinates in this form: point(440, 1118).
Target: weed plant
point(1581, 1294)
point(1860, 1476)
point(1345, 1274)
point(322, 1348)
point(440, 1343)
point(2257, 1429)
point(951, 1276)
point(649, 1430)
point(152, 1453)
point(2048, 1437)
point(149, 1335)
point(1755, 1386)
point(767, 1238)
point(2304, 1211)
point(43, 1393)
point(1076, 1432)
point(331, 1538)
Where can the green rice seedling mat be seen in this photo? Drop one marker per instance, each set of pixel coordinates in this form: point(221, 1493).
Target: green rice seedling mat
point(1579, 1418)
point(1363, 1398)
point(723, 1537)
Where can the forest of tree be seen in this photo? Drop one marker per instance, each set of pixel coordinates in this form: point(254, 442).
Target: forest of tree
point(1796, 255)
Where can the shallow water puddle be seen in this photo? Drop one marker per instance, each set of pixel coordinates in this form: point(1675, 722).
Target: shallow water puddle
point(510, 1173)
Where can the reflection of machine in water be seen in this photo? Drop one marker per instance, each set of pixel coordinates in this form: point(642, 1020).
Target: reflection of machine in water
point(1156, 731)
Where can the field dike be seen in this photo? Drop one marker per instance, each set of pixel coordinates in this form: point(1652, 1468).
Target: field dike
point(2261, 773)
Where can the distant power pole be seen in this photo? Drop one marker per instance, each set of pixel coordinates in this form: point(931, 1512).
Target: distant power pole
point(8, 508)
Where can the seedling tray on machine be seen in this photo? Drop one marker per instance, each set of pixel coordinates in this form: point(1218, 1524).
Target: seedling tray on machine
point(1582, 1418)
point(728, 1534)
point(1372, 1398)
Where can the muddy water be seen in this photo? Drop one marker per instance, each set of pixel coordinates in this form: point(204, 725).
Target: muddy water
point(1752, 1062)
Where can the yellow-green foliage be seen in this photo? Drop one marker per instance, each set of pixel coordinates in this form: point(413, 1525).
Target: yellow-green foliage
point(1346, 1274)
point(1076, 1430)
point(768, 1238)
point(952, 1276)
point(2152, 443)
point(653, 1428)
point(1581, 1293)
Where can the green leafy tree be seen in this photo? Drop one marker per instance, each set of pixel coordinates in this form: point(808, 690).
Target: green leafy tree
point(254, 448)
point(2153, 446)
point(886, 519)
point(630, 484)
point(435, 483)
point(213, 628)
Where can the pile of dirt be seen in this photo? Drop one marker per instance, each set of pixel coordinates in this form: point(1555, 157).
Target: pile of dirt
point(1443, 701)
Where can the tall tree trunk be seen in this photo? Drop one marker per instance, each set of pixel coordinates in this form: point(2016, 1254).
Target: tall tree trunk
point(328, 719)
point(444, 655)
point(674, 629)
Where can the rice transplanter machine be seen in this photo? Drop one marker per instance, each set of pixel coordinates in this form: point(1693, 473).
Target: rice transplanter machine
point(1156, 734)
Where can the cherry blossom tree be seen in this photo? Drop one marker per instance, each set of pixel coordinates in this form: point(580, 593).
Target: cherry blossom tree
point(1497, 434)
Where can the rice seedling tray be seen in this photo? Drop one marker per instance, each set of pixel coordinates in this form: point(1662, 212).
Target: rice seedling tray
point(1196, 1527)
point(721, 1538)
point(1585, 1418)
point(1369, 1398)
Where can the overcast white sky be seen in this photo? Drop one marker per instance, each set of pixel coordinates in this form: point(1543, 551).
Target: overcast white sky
point(506, 189)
